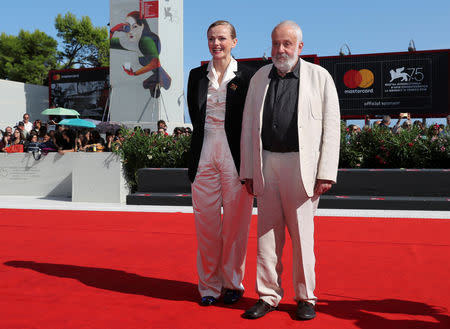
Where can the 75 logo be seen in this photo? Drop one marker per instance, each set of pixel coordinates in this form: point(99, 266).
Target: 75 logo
point(407, 75)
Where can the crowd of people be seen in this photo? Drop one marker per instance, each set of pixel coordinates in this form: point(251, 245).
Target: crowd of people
point(162, 130)
point(404, 123)
point(50, 137)
point(39, 136)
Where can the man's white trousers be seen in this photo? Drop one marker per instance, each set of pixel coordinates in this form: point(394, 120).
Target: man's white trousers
point(222, 242)
point(284, 203)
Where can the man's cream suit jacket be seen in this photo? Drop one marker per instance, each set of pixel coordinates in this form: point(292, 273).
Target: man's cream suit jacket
point(318, 127)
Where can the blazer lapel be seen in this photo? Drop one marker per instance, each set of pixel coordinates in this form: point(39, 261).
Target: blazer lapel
point(202, 92)
point(265, 82)
point(303, 93)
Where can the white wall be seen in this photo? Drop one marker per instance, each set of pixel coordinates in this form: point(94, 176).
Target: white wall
point(17, 98)
point(21, 174)
point(98, 177)
point(85, 177)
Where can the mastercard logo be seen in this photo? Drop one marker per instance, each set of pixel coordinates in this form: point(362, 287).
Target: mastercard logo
point(362, 78)
point(56, 77)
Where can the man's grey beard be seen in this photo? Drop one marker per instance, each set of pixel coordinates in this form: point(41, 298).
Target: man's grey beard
point(286, 65)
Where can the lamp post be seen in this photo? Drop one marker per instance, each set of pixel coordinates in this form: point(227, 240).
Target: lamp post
point(341, 51)
point(411, 46)
point(264, 56)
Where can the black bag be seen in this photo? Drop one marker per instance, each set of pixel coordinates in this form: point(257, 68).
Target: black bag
point(33, 147)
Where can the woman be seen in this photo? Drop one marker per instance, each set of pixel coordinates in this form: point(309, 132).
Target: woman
point(41, 133)
point(32, 144)
point(79, 142)
point(37, 125)
point(96, 138)
point(68, 141)
point(109, 142)
point(17, 142)
point(216, 97)
point(47, 144)
point(97, 142)
point(6, 142)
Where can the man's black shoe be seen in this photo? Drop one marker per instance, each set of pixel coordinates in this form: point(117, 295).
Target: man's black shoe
point(231, 296)
point(305, 311)
point(258, 310)
point(208, 301)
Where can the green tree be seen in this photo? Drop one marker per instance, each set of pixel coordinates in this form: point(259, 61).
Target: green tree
point(83, 44)
point(27, 57)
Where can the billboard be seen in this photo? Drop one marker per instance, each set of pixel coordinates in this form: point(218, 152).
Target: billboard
point(378, 84)
point(84, 90)
point(146, 62)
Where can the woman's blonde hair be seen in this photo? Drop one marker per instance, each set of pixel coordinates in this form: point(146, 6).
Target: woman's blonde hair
point(222, 22)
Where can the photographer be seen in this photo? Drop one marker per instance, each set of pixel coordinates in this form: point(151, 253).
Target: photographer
point(406, 124)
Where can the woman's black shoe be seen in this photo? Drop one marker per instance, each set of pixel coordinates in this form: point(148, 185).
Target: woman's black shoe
point(232, 296)
point(208, 301)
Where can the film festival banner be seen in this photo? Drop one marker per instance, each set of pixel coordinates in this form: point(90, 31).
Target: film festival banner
point(380, 84)
point(144, 62)
point(84, 90)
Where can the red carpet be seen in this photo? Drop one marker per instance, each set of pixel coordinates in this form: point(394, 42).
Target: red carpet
point(74, 269)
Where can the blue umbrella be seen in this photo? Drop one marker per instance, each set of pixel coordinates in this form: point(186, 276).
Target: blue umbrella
point(77, 122)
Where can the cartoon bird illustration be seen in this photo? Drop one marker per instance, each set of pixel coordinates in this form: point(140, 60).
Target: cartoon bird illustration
point(139, 38)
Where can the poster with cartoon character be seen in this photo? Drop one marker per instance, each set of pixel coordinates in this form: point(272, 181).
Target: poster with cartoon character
point(142, 62)
point(138, 37)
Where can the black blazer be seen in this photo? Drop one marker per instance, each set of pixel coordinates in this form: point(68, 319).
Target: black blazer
point(235, 101)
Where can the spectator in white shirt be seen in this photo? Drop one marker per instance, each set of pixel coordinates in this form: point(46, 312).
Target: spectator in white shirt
point(27, 124)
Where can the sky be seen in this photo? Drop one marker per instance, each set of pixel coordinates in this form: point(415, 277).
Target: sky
point(365, 26)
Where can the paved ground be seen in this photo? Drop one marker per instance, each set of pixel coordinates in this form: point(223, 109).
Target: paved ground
point(31, 202)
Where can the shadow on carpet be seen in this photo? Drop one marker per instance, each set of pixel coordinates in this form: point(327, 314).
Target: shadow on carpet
point(365, 314)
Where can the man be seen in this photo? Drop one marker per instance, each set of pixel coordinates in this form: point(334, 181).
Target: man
point(289, 157)
point(27, 124)
point(385, 123)
point(8, 131)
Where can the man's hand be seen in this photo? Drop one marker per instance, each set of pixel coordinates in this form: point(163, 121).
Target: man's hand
point(249, 185)
point(322, 186)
